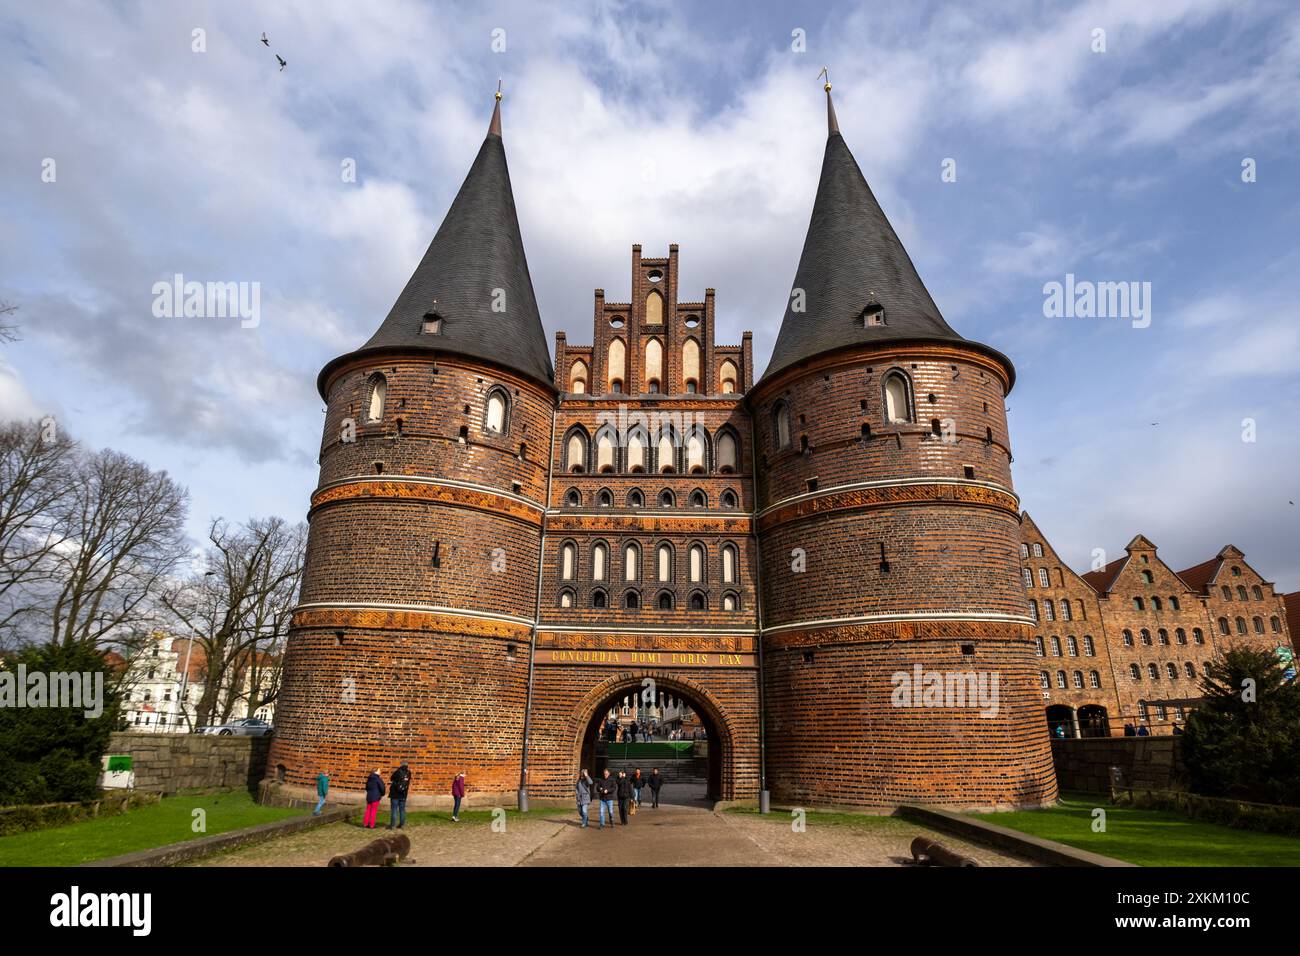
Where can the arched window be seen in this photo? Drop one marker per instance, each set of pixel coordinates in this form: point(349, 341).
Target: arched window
point(1077, 680)
point(578, 373)
point(1146, 637)
point(727, 452)
point(1223, 626)
point(636, 498)
point(1164, 636)
point(699, 499)
point(1033, 609)
point(1241, 592)
point(378, 386)
point(664, 562)
point(599, 598)
point(1275, 624)
point(1227, 592)
point(572, 498)
point(632, 600)
point(1072, 645)
point(665, 600)
point(1137, 604)
point(631, 562)
point(566, 597)
point(691, 363)
point(616, 370)
point(666, 452)
point(1258, 623)
point(1065, 610)
point(695, 452)
point(1128, 637)
point(1153, 672)
point(728, 499)
point(1060, 680)
point(1258, 592)
point(1045, 679)
point(1049, 610)
point(1241, 625)
point(496, 418)
point(781, 425)
point(1180, 635)
point(1191, 670)
point(599, 561)
point(1134, 672)
point(1146, 577)
point(1089, 648)
point(1172, 671)
point(575, 452)
point(728, 564)
point(1038, 646)
point(730, 602)
point(698, 601)
point(654, 308)
point(636, 450)
point(1094, 679)
point(697, 563)
point(654, 365)
point(1056, 647)
point(604, 498)
point(568, 560)
point(605, 457)
point(666, 499)
point(898, 397)
point(728, 376)
point(1236, 571)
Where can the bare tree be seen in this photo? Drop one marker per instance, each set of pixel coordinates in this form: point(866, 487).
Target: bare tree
point(123, 530)
point(238, 611)
point(37, 468)
point(8, 331)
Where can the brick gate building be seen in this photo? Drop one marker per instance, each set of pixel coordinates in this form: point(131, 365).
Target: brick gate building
point(502, 549)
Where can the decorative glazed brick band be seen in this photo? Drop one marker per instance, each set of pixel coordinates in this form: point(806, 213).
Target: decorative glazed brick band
point(889, 494)
point(612, 640)
point(929, 628)
point(456, 494)
point(656, 523)
point(614, 657)
point(433, 620)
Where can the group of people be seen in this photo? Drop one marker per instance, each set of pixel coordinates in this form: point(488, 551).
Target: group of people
point(399, 785)
point(625, 789)
point(633, 733)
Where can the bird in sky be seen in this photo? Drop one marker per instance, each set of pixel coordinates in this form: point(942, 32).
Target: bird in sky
point(265, 40)
point(283, 64)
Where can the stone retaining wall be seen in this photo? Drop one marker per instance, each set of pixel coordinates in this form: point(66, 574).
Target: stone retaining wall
point(181, 763)
point(1146, 763)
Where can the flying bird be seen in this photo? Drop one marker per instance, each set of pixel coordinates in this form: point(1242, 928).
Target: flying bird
point(265, 40)
point(283, 64)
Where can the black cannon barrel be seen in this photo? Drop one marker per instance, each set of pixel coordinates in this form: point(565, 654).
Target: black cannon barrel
point(386, 851)
point(929, 853)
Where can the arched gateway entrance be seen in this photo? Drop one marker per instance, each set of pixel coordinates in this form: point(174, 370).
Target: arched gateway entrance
point(718, 745)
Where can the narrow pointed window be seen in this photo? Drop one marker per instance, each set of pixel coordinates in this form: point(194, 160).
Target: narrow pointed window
point(578, 378)
point(781, 425)
point(636, 452)
point(665, 562)
point(378, 394)
point(898, 398)
point(599, 561)
point(691, 364)
point(616, 369)
point(727, 453)
point(654, 365)
point(727, 377)
point(498, 410)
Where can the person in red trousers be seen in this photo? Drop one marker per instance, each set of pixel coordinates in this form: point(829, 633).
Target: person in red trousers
point(374, 793)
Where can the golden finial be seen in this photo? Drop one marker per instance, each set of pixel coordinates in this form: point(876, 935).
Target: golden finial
point(498, 89)
point(826, 73)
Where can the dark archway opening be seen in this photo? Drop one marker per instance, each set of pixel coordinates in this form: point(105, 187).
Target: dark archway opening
point(691, 773)
point(1060, 722)
point(1093, 721)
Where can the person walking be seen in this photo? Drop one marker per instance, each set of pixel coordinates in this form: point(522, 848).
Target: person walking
point(606, 788)
point(656, 783)
point(624, 795)
point(457, 794)
point(582, 793)
point(399, 786)
point(638, 781)
point(374, 793)
point(322, 789)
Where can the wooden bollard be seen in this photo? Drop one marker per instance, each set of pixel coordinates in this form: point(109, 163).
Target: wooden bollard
point(928, 853)
point(386, 851)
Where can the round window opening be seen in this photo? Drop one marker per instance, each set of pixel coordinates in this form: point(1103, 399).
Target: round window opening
point(616, 322)
point(654, 275)
point(692, 321)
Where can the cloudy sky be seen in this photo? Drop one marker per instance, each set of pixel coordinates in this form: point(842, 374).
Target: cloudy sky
point(700, 124)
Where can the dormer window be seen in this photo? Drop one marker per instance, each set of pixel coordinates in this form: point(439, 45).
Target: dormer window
point(873, 315)
point(432, 324)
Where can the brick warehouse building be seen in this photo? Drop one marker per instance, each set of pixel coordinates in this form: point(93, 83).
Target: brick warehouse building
point(502, 549)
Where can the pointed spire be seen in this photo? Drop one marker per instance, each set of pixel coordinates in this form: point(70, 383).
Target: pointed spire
point(832, 124)
point(494, 127)
point(474, 277)
point(855, 283)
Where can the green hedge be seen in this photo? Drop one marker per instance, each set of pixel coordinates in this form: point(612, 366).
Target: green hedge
point(664, 749)
point(1241, 814)
point(42, 816)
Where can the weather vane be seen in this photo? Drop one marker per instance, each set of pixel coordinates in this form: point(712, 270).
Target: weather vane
point(826, 73)
point(498, 87)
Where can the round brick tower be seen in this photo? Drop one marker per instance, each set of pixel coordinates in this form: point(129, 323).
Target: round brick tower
point(897, 664)
point(411, 638)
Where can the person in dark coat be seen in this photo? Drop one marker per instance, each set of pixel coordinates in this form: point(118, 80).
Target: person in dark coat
point(606, 788)
point(457, 795)
point(374, 793)
point(399, 787)
point(624, 795)
point(655, 782)
point(582, 793)
point(1130, 730)
point(638, 781)
point(1142, 731)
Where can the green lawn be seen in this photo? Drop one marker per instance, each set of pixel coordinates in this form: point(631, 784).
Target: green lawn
point(167, 822)
point(823, 818)
point(1150, 837)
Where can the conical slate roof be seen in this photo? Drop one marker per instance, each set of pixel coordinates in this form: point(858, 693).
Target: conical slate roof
point(474, 276)
point(853, 260)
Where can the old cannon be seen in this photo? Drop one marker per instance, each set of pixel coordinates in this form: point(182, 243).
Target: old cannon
point(386, 851)
point(928, 853)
